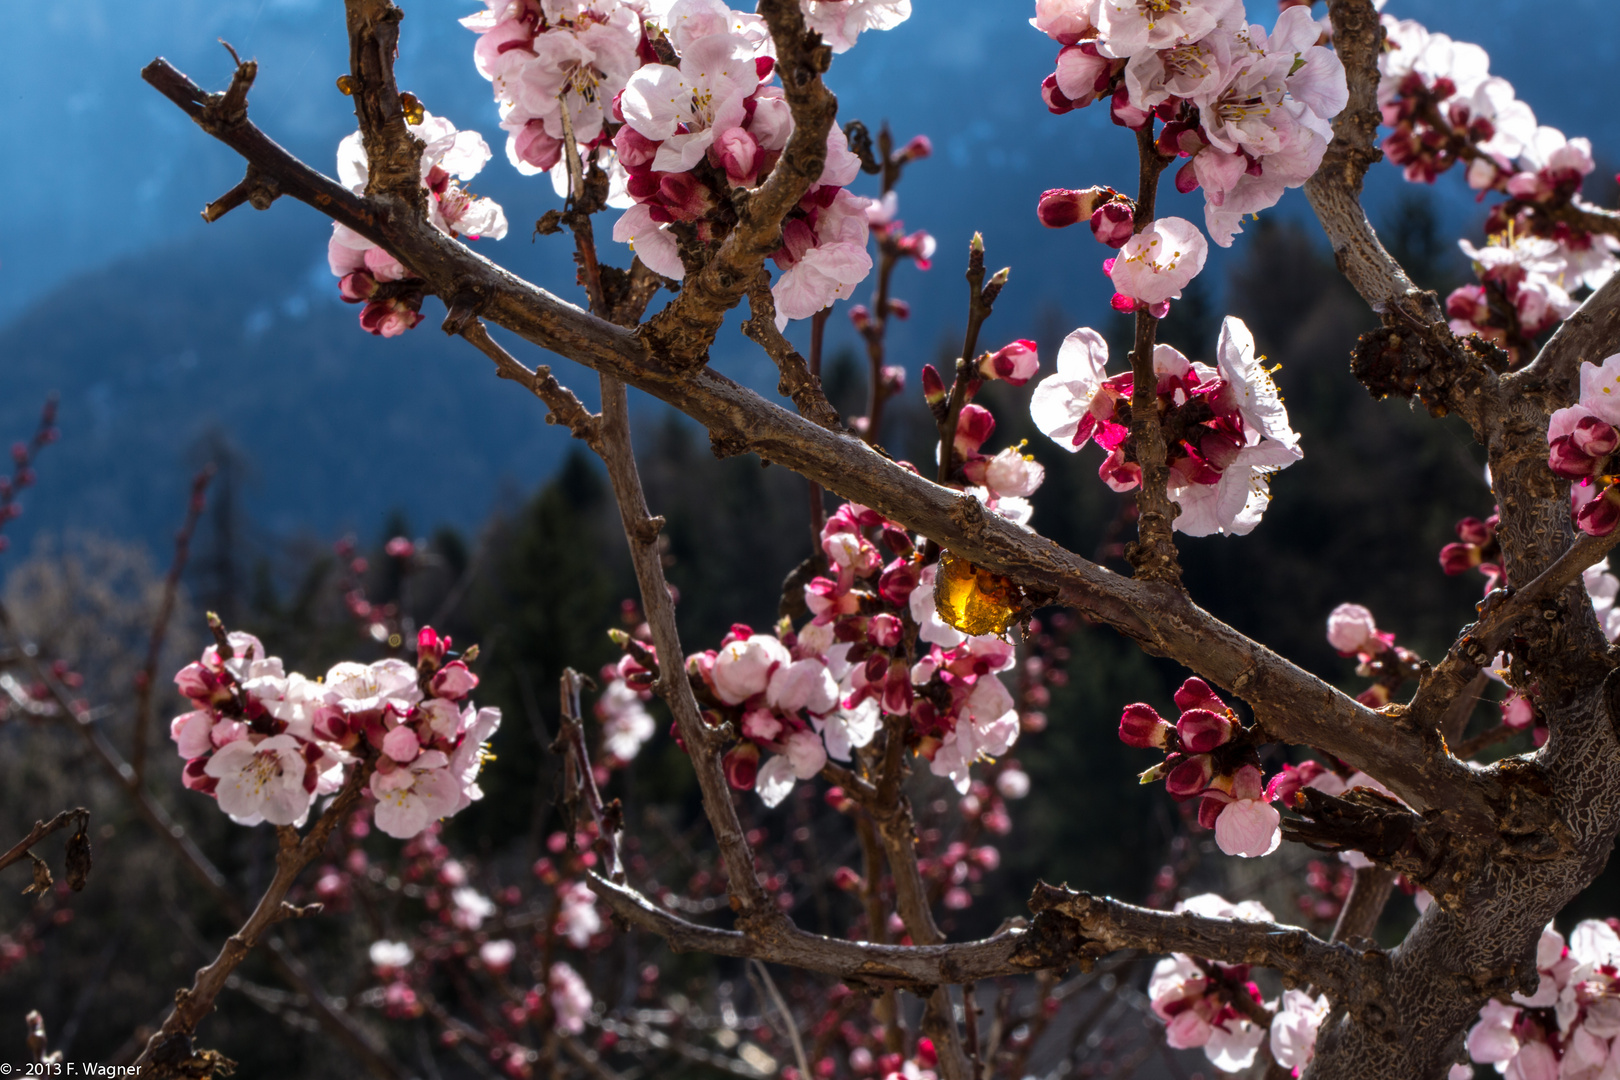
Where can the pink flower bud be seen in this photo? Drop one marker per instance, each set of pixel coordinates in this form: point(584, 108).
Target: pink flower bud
point(1016, 363)
point(736, 152)
point(846, 879)
point(1190, 777)
point(1141, 726)
point(1196, 694)
point(430, 645)
point(1286, 785)
point(741, 765)
point(918, 148)
point(1458, 558)
point(1125, 114)
point(1351, 629)
point(1059, 208)
point(973, 427)
point(885, 630)
point(898, 582)
point(932, 385)
point(1601, 515)
point(900, 309)
point(1056, 102)
point(1518, 712)
point(1113, 224)
point(1566, 459)
point(534, 147)
point(453, 681)
point(1471, 530)
point(894, 380)
point(1201, 731)
point(1592, 436)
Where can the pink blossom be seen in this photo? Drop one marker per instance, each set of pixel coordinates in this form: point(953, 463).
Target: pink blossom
point(497, 955)
point(1351, 629)
point(1067, 21)
point(743, 668)
point(626, 724)
point(577, 917)
point(390, 956)
point(411, 797)
point(1128, 27)
point(1158, 262)
point(1249, 828)
point(1010, 473)
point(823, 258)
point(570, 1000)
point(401, 744)
point(264, 781)
point(840, 22)
point(1294, 1028)
point(1016, 363)
point(1068, 405)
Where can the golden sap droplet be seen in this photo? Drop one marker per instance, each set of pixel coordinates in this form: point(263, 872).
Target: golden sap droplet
point(345, 85)
point(974, 600)
point(414, 112)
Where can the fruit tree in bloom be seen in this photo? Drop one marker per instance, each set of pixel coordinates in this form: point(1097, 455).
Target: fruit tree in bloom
point(696, 160)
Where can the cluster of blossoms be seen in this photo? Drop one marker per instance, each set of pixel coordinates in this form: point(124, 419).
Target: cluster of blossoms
point(1476, 548)
point(1207, 757)
point(1580, 440)
point(1252, 112)
point(1199, 1002)
point(1443, 106)
point(1568, 1026)
point(676, 103)
point(1352, 630)
point(1225, 428)
point(266, 743)
point(802, 696)
point(367, 274)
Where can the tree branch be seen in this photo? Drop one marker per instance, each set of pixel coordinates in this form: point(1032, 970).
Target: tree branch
point(1154, 553)
point(798, 382)
point(1292, 705)
point(681, 334)
point(170, 1052)
point(147, 677)
point(1416, 353)
point(79, 817)
point(1095, 926)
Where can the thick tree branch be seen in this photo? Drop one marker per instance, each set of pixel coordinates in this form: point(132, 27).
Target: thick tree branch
point(909, 967)
point(1095, 926)
point(1416, 353)
point(393, 154)
point(682, 333)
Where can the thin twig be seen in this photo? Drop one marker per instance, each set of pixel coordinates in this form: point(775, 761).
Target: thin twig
point(146, 680)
